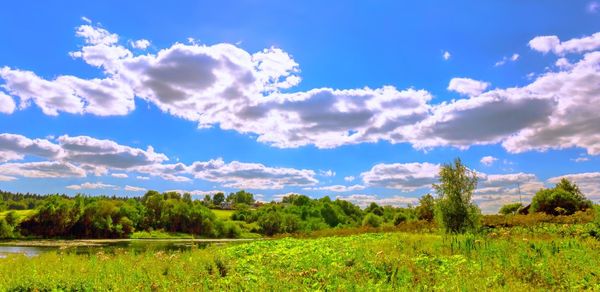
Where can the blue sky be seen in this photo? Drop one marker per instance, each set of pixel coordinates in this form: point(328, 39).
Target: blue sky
point(354, 100)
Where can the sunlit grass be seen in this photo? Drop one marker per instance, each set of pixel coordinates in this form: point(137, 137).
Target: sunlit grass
point(374, 261)
point(20, 214)
point(223, 214)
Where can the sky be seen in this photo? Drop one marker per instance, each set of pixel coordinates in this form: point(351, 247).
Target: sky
point(357, 100)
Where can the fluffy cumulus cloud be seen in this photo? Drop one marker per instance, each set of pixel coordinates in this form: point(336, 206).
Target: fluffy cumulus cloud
point(467, 86)
point(7, 104)
point(237, 174)
point(82, 155)
point(488, 160)
point(42, 169)
point(402, 176)
point(252, 93)
point(552, 43)
point(16, 147)
point(91, 186)
point(140, 44)
point(106, 153)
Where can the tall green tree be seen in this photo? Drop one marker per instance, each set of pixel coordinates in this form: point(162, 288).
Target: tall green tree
point(454, 208)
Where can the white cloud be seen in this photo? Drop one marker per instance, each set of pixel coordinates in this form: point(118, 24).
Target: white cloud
point(497, 190)
point(140, 44)
point(86, 20)
point(223, 85)
point(363, 200)
point(467, 86)
point(119, 175)
point(488, 160)
point(349, 178)
point(43, 169)
point(251, 175)
point(134, 189)
point(337, 188)
point(197, 192)
point(328, 173)
point(142, 177)
point(7, 104)
point(446, 55)
point(107, 153)
point(552, 43)
point(7, 178)
point(90, 186)
point(581, 159)
point(17, 146)
point(505, 59)
point(402, 176)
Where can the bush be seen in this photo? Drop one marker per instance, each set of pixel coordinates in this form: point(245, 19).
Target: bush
point(509, 209)
point(454, 209)
point(400, 218)
point(564, 199)
point(6, 230)
point(372, 220)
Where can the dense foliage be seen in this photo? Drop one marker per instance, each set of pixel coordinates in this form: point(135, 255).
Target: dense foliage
point(299, 213)
point(454, 208)
point(564, 199)
point(102, 217)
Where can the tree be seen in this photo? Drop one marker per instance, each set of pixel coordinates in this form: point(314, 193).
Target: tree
point(509, 209)
point(375, 209)
point(564, 199)
point(218, 199)
point(11, 218)
point(426, 209)
point(454, 209)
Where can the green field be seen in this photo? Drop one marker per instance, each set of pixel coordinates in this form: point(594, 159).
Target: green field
point(511, 260)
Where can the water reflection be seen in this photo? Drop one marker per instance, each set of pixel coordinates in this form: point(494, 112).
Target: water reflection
point(135, 246)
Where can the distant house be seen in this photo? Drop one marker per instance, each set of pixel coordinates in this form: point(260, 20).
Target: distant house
point(524, 210)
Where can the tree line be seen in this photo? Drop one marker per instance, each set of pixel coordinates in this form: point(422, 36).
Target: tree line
point(112, 217)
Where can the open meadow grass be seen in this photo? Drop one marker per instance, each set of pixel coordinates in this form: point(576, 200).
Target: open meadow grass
point(223, 214)
point(510, 261)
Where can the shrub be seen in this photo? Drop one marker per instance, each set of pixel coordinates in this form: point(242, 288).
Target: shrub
point(372, 220)
point(400, 218)
point(426, 209)
point(454, 209)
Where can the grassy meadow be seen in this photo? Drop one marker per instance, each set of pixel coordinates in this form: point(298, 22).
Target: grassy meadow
point(546, 257)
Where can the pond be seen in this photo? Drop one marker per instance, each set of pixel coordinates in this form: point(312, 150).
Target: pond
point(34, 248)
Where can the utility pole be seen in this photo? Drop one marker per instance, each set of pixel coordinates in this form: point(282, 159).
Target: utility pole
point(520, 198)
